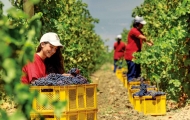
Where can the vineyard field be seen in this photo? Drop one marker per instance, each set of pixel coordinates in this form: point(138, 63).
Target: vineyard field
point(113, 103)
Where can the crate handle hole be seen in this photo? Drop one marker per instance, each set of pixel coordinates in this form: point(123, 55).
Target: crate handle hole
point(46, 90)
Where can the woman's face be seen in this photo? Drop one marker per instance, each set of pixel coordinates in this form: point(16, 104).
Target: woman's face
point(48, 49)
point(141, 26)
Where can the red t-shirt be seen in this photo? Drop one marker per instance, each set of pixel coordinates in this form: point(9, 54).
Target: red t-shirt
point(33, 70)
point(119, 50)
point(134, 44)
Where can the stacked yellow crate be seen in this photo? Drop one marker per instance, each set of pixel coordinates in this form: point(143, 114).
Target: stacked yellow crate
point(119, 74)
point(124, 70)
point(132, 91)
point(131, 83)
point(150, 106)
point(124, 80)
point(145, 104)
point(81, 101)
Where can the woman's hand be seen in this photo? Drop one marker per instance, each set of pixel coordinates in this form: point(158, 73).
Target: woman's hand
point(149, 43)
point(66, 74)
point(33, 81)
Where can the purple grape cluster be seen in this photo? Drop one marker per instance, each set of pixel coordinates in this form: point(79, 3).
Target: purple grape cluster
point(149, 93)
point(138, 87)
point(59, 80)
point(143, 92)
point(74, 71)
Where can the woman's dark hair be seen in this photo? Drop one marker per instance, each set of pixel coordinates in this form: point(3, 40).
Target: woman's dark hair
point(135, 24)
point(54, 64)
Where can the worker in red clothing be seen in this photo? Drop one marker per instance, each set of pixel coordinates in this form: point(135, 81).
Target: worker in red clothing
point(119, 49)
point(47, 59)
point(134, 44)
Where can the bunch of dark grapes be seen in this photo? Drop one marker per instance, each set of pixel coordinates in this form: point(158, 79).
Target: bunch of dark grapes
point(155, 93)
point(138, 86)
point(74, 71)
point(60, 80)
point(82, 79)
point(143, 92)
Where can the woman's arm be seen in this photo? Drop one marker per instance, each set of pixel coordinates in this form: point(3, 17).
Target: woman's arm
point(66, 74)
point(148, 42)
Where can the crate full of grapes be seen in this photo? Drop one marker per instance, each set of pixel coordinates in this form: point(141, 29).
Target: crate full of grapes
point(136, 88)
point(78, 97)
point(151, 104)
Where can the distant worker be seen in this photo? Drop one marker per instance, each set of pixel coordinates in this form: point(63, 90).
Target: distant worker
point(119, 49)
point(134, 44)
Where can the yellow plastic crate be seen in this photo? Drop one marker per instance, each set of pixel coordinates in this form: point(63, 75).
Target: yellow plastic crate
point(119, 74)
point(129, 84)
point(132, 91)
point(124, 80)
point(124, 69)
point(123, 75)
point(150, 106)
point(77, 115)
point(78, 97)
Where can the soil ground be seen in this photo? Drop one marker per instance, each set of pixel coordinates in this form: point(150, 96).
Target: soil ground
point(113, 102)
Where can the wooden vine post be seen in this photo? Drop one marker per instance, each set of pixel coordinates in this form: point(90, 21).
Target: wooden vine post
point(28, 8)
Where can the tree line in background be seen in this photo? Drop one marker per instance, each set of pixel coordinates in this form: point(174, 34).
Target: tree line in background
point(83, 48)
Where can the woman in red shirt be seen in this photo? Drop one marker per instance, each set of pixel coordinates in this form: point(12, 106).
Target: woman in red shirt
point(134, 44)
point(119, 49)
point(48, 59)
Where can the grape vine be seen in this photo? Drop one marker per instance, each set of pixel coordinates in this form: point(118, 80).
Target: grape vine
point(74, 24)
point(166, 63)
point(83, 49)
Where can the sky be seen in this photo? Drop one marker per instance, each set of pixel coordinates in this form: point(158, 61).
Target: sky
point(113, 15)
point(7, 4)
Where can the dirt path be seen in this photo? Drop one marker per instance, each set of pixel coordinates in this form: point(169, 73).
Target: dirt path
point(113, 103)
